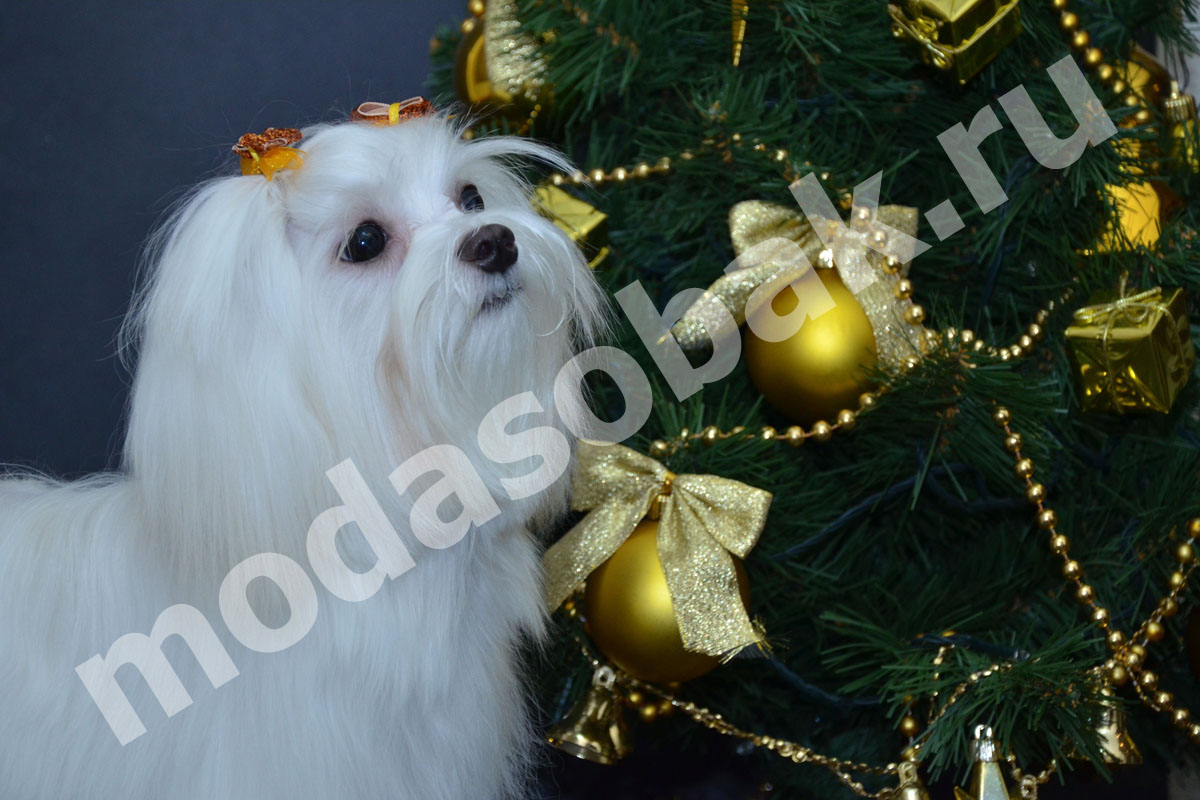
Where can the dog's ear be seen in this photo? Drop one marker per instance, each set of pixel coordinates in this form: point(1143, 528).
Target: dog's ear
point(218, 323)
point(218, 266)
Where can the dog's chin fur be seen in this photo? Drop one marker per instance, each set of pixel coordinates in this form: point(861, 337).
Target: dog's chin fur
point(264, 361)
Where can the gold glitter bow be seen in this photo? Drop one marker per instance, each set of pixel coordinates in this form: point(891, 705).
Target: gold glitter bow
point(703, 518)
point(1134, 308)
point(753, 223)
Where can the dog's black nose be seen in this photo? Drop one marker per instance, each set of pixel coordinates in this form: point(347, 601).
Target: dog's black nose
point(492, 248)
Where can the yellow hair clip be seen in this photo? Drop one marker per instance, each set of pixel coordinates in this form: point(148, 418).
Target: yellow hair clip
point(266, 153)
point(385, 114)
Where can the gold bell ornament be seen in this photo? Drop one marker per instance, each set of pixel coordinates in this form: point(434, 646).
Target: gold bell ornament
point(594, 729)
point(666, 594)
point(1115, 743)
point(1180, 111)
point(986, 781)
point(497, 65)
point(859, 317)
point(911, 787)
point(958, 37)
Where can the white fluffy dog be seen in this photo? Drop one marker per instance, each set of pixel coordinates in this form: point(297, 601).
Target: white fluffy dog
point(376, 303)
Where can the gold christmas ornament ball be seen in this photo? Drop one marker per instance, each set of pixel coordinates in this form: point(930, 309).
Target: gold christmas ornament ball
point(630, 616)
point(824, 366)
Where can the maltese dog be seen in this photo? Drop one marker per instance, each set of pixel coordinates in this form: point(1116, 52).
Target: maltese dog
point(315, 571)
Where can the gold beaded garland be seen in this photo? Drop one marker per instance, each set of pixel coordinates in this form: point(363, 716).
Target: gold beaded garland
point(1130, 654)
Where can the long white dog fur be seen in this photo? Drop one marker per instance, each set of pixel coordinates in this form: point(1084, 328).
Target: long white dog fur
point(263, 362)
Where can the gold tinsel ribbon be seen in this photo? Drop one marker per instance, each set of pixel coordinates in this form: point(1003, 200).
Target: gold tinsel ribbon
point(753, 223)
point(704, 518)
point(1133, 309)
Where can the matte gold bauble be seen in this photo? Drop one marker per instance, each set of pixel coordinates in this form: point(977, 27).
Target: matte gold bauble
point(630, 617)
point(1140, 208)
point(823, 367)
point(1146, 77)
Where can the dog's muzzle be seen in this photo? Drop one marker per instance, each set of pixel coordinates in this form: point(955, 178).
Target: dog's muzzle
point(492, 248)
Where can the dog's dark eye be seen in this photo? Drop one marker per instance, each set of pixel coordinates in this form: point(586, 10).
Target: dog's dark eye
point(365, 242)
point(469, 199)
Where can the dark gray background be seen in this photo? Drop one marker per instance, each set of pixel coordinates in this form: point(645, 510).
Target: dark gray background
point(107, 112)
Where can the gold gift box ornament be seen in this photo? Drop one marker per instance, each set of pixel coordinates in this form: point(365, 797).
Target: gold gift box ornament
point(957, 36)
point(585, 224)
point(1134, 353)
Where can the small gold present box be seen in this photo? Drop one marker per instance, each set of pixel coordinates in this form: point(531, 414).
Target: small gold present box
point(1133, 353)
point(585, 224)
point(957, 36)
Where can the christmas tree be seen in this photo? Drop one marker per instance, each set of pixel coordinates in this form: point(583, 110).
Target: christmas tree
point(984, 479)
